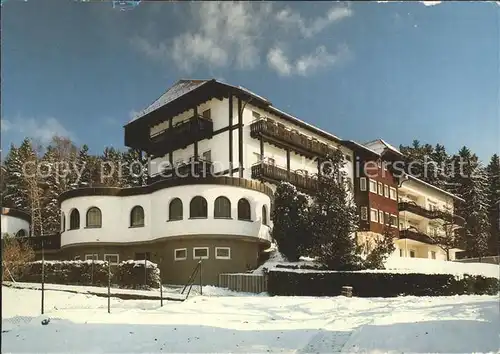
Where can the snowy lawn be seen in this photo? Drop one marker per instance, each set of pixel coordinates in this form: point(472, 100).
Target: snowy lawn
point(249, 324)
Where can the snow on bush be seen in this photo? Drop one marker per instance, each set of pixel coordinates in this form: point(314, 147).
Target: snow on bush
point(132, 274)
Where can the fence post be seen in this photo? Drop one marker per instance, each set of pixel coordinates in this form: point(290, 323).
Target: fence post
point(92, 274)
point(201, 268)
point(145, 271)
point(161, 285)
point(43, 279)
point(109, 287)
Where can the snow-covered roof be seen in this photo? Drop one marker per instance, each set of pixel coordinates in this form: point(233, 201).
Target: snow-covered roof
point(361, 146)
point(185, 86)
point(380, 145)
point(180, 88)
point(413, 178)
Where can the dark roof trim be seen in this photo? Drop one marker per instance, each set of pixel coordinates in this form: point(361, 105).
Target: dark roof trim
point(214, 88)
point(16, 213)
point(125, 192)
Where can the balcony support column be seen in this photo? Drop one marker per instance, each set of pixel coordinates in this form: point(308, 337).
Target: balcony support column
point(240, 137)
point(230, 134)
point(170, 154)
point(261, 149)
point(195, 114)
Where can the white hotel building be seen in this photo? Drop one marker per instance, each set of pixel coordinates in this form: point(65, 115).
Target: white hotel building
point(224, 219)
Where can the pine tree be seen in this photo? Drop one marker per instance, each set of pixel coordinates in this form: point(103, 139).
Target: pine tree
point(32, 182)
point(493, 171)
point(334, 218)
point(52, 188)
point(84, 168)
point(15, 194)
point(65, 152)
point(135, 169)
point(384, 247)
point(469, 181)
point(111, 167)
point(290, 221)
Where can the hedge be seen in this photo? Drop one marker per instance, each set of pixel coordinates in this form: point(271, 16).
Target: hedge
point(127, 274)
point(377, 284)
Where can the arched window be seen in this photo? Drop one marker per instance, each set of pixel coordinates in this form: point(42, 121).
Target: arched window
point(264, 215)
point(22, 233)
point(137, 216)
point(63, 221)
point(94, 218)
point(222, 208)
point(175, 209)
point(244, 209)
point(74, 219)
point(198, 208)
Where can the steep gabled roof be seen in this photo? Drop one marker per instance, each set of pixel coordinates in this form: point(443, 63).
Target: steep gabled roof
point(380, 146)
point(180, 88)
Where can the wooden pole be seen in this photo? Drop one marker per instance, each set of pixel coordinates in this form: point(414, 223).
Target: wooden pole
point(201, 286)
point(109, 287)
point(43, 279)
point(161, 286)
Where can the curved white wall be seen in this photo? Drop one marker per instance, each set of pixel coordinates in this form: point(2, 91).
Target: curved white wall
point(116, 215)
point(11, 225)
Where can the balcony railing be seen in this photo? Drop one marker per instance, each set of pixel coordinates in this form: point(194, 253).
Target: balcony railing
point(416, 236)
point(194, 168)
point(273, 173)
point(430, 214)
point(180, 135)
point(278, 134)
point(48, 242)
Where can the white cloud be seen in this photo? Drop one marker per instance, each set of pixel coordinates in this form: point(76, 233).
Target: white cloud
point(278, 61)
point(426, 3)
point(42, 130)
point(237, 34)
point(306, 64)
point(290, 18)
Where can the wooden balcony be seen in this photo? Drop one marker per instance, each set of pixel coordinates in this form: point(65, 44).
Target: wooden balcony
point(47, 242)
point(274, 174)
point(431, 214)
point(180, 135)
point(277, 134)
point(193, 169)
point(416, 236)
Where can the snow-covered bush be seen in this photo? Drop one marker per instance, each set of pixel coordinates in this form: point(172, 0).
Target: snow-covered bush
point(137, 274)
point(377, 284)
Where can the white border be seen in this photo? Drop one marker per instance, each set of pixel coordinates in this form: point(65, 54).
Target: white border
point(112, 254)
point(219, 257)
point(180, 258)
point(201, 248)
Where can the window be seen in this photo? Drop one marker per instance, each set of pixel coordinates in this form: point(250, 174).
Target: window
point(140, 256)
point(264, 215)
point(198, 207)
point(386, 218)
point(380, 188)
point(222, 253)
point(381, 216)
point(175, 209)
point(392, 193)
point(373, 186)
point(222, 208)
point(180, 254)
point(113, 259)
point(256, 157)
point(89, 257)
point(386, 191)
point(433, 254)
point(207, 114)
point(374, 215)
point(137, 216)
point(256, 115)
point(244, 209)
point(200, 253)
point(94, 218)
point(364, 213)
point(74, 219)
point(21, 233)
point(432, 207)
point(207, 155)
point(270, 161)
point(393, 221)
point(63, 221)
point(412, 253)
point(362, 184)
point(400, 253)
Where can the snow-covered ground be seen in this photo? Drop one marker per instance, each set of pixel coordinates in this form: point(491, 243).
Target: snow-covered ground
point(249, 324)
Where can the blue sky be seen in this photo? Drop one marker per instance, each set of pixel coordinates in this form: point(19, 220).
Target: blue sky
point(397, 71)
